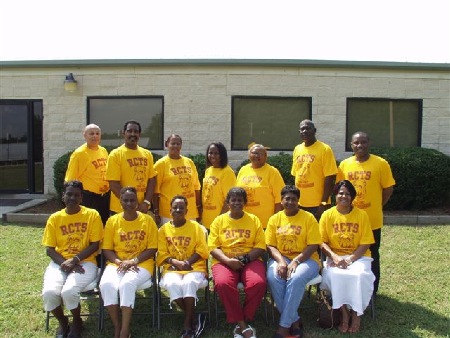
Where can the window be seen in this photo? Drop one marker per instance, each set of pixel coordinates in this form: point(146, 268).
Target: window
point(271, 121)
point(111, 113)
point(389, 123)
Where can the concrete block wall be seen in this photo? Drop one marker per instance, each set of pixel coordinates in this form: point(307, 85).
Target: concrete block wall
point(197, 99)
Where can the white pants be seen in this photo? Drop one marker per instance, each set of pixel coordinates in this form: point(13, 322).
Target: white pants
point(352, 286)
point(183, 285)
point(66, 286)
point(115, 285)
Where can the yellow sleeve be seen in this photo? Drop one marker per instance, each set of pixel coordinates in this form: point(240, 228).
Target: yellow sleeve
point(163, 252)
point(202, 246)
point(260, 240)
point(152, 241)
point(108, 238)
point(270, 234)
point(213, 237)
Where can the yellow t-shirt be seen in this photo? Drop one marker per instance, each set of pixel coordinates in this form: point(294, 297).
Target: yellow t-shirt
point(89, 167)
point(216, 184)
point(369, 179)
point(176, 177)
point(71, 234)
point(131, 167)
point(292, 234)
point(236, 237)
point(181, 243)
point(310, 166)
point(129, 238)
point(344, 233)
point(263, 187)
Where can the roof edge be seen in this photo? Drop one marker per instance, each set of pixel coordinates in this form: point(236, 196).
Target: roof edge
point(224, 62)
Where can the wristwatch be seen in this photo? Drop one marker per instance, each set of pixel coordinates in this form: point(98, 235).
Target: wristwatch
point(147, 202)
point(297, 261)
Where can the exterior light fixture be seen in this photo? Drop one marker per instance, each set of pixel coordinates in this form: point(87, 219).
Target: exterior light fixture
point(70, 84)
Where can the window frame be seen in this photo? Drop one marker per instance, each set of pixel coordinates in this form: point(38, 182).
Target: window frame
point(348, 133)
point(121, 97)
point(309, 100)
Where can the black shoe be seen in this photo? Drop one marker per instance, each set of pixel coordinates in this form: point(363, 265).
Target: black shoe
point(200, 324)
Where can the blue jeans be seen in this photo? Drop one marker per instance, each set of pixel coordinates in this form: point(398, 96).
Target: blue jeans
point(288, 294)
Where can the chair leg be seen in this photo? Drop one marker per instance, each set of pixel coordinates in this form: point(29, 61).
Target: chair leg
point(372, 306)
point(47, 321)
point(216, 308)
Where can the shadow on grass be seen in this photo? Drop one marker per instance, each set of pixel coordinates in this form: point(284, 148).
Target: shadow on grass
point(406, 319)
point(393, 319)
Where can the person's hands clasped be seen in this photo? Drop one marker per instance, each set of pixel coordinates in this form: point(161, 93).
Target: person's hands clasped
point(340, 262)
point(234, 264)
point(181, 265)
point(292, 266)
point(127, 265)
point(71, 265)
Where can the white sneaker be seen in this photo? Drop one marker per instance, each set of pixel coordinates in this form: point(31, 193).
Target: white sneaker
point(250, 329)
point(236, 333)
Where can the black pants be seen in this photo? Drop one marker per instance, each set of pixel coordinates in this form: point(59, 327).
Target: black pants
point(375, 251)
point(101, 204)
point(97, 202)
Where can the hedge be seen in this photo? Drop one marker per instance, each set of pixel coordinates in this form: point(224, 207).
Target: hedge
point(422, 175)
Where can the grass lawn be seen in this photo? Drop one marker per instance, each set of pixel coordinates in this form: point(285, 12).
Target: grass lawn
point(413, 300)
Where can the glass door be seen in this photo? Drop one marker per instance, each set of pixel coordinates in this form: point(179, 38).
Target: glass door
point(21, 146)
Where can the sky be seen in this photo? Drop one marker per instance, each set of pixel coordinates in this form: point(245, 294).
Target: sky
point(351, 30)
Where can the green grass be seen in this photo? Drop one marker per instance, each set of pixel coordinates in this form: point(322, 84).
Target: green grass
point(413, 300)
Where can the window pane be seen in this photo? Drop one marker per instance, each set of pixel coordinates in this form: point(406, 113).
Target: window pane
point(111, 113)
point(373, 116)
point(272, 121)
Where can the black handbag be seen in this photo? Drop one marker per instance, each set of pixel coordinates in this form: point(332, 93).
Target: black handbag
point(327, 317)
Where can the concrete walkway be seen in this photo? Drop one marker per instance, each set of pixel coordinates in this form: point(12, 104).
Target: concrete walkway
point(11, 204)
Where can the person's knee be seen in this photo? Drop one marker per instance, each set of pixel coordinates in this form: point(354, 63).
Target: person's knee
point(106, 287)
point(69, 292)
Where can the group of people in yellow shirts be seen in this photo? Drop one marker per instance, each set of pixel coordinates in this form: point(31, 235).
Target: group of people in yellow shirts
point(235, 219)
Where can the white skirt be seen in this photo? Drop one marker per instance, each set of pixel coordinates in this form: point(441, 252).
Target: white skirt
point(352, 286)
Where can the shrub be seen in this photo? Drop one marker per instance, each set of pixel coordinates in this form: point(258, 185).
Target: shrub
point(200, 163)
point(422, 177)
point(59, 172)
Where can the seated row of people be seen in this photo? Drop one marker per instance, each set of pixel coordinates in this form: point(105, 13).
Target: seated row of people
point(237, 244)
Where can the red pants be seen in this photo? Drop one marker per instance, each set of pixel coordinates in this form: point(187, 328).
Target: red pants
point(253, 276)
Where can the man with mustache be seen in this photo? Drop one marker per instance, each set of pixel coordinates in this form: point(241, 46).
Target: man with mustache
point(131, 165)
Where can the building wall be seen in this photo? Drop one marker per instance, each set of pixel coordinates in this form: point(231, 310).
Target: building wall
point(197, 99)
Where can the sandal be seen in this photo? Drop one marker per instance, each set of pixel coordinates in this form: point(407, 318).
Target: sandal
point(355, 325)
point(343, 327)
point(249, 329)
